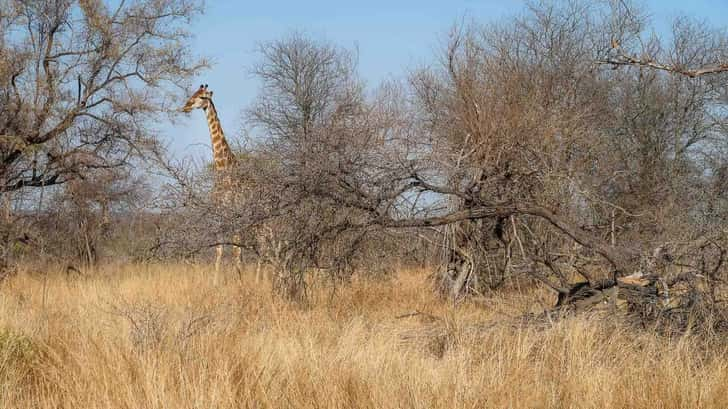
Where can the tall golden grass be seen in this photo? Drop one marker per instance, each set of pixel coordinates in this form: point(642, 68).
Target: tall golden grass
point(164, 337)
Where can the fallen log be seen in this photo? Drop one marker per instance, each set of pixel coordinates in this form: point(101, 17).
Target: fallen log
point(635, 292)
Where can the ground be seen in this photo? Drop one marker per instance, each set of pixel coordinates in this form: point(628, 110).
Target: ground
point(164, 337)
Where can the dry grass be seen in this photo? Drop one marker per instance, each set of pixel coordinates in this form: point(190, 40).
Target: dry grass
point(163, 337)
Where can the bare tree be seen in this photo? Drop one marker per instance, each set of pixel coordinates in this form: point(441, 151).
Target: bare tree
point(81, 82)
point(696, 49)
point(310, 105)
point(79, 222)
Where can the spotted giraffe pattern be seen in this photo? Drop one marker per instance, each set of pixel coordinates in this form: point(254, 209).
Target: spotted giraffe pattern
point(223, 161)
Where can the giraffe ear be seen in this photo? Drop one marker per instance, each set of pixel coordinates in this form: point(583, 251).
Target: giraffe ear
point(210, 94)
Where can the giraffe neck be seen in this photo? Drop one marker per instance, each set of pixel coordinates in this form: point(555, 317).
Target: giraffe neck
point(222, 155)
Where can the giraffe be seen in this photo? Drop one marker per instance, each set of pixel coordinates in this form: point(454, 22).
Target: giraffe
point(224, 161)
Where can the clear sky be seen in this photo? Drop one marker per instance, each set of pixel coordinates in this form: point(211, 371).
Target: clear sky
point(391, 36)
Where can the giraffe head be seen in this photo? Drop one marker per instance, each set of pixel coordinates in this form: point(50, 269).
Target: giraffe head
point(202, 98)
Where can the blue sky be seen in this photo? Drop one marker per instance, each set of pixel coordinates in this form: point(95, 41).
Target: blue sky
point(391, 36)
